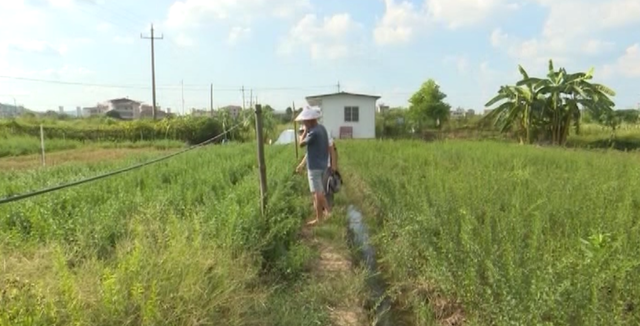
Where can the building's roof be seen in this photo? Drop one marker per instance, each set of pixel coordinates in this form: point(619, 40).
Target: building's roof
point(231, 107)
point(341, 93)
point(121, 100)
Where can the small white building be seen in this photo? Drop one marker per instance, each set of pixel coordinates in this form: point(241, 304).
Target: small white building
point(126, 108)
point(347, 115)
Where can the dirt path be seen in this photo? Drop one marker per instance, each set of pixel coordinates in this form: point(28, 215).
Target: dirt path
point(341, 284)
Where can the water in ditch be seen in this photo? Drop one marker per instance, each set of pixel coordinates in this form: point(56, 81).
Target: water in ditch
point(359, 238)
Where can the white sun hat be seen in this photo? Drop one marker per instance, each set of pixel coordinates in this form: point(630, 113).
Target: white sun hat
point(309, 113)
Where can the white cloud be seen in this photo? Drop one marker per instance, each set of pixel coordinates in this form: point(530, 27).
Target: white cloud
point(104, 27)
point(66, 72)
point(499, 38)
point(589, 16)
point(461, 13)
point(183, 40)
point(124, 39)
point(333, 37)
point(534, 53)
point(566, 37)
point(595, 46)
point(402, 20)
point(237, 33)
point(399, 23)
point(461, 62)
point(16, 15)
point(627, 65)
point(193, 13)
point(61, 3)
point(36, 46)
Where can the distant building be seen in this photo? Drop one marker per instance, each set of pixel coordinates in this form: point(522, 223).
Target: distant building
point(382, 108)
point(458, 113)
point(347, 115)
point(11, 111)
point(234, 110)
point(203, 113)
point(146, 111)
point(127, 109)
point(91, 111)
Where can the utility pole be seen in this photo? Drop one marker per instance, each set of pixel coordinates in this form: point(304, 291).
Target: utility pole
point(243, 97)
point(153, 68)
point(251, 99)
point(338, 87)
point(261, 162)
point(295, 127)
point(211, 101)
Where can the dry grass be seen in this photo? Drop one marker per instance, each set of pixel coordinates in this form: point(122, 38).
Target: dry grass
point(87, 155)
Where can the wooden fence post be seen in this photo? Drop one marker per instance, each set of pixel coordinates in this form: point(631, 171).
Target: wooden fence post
point(261, 163)
point(295, 127)
point(42, 144)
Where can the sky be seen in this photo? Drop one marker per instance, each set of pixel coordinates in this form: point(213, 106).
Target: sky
point(81, 52)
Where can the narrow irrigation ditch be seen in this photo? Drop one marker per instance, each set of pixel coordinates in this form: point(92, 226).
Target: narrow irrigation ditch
point(358, 236)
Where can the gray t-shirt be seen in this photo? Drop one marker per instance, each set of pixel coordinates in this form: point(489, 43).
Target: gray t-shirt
point(317, 141)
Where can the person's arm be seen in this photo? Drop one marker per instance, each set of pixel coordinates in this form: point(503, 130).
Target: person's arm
point(302, 163)
point(307, 137)
point(334, 158)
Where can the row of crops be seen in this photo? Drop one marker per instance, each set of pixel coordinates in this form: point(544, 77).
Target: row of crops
point(177, 243)
point(517, 235)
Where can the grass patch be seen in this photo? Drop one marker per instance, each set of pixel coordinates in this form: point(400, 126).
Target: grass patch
point(177, 243)
point(514, 234)
point(23, 145)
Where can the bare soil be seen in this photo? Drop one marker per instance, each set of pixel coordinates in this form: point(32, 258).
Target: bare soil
point(89, 155)
point(334, 269)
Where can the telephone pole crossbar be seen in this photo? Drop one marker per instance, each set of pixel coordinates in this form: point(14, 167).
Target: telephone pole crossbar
point(153, 67)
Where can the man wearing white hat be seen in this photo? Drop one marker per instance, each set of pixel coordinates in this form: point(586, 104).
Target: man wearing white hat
point(316, 140)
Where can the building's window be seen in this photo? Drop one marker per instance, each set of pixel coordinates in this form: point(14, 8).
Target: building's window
point(351, 114)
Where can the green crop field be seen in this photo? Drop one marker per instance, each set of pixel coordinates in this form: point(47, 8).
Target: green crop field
point(500, 234)
point(177, 243)
point(514, 235)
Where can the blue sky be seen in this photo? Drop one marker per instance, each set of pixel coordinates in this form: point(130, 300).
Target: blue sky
point(287, 49)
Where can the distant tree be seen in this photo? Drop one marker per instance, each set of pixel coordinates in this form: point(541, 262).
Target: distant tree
point(428, 107)
point(391, 123)
point(629, 115)
point(288, 114)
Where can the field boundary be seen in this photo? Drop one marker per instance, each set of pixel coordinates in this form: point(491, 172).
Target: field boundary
point(446, 312)
point(13, 198)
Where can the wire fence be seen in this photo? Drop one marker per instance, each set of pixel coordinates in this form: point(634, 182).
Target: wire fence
point(18, 197)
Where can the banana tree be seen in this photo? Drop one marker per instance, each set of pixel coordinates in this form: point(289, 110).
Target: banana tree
point(518, 103)
point(552, 104)
point(566, 94)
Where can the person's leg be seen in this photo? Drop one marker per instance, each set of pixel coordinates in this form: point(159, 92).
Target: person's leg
point(315, 185)
point(314, 197)
point(328, 196)
point(319, 178)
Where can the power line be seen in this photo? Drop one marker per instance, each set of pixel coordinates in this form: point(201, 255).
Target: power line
point(14, 198)
point(174, 87)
